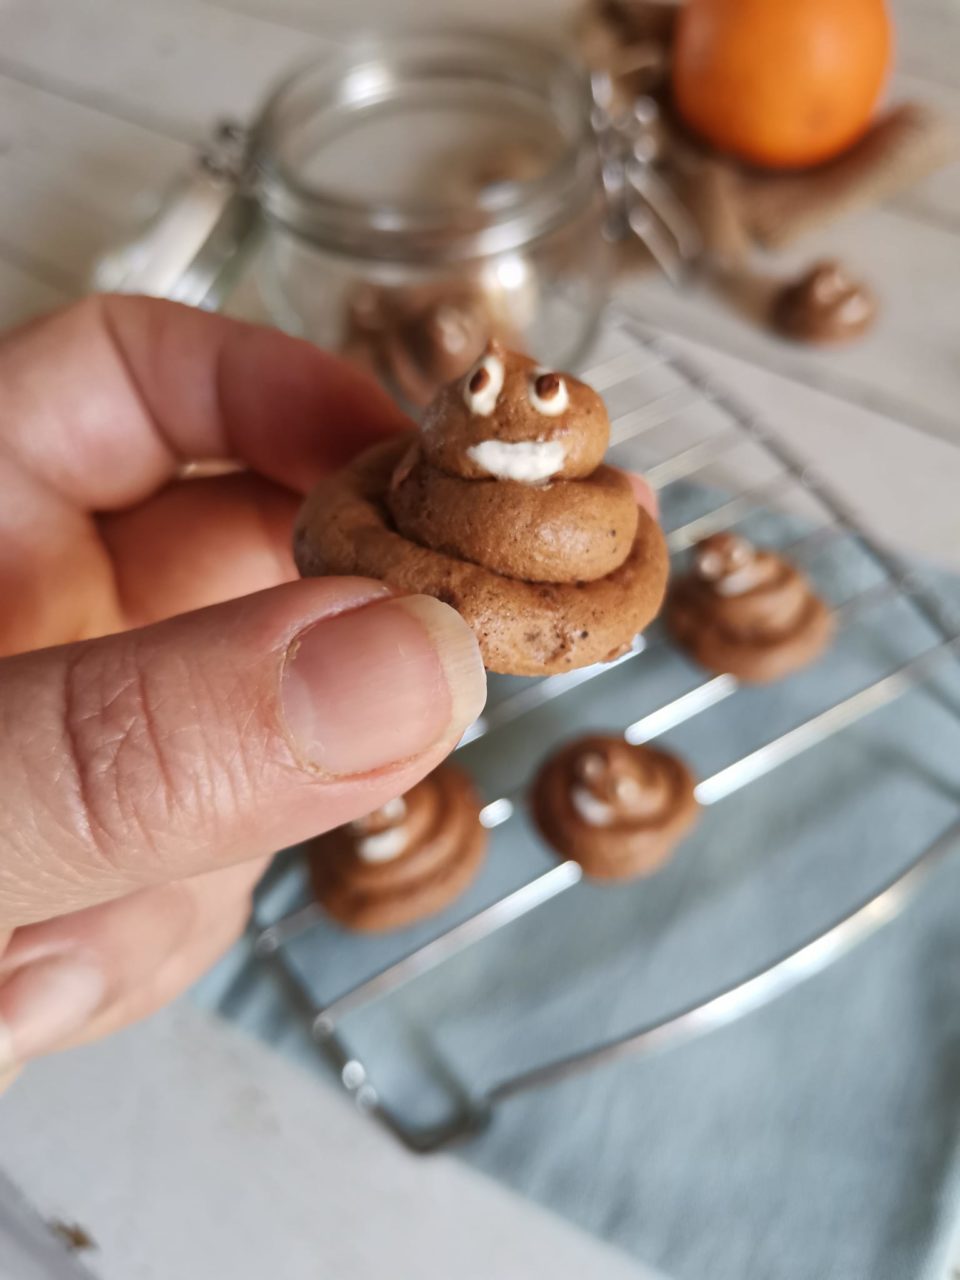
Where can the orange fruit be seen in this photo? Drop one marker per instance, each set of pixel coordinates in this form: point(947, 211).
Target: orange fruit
point(781, 83)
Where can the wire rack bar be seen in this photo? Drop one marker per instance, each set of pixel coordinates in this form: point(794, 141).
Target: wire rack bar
point(269, 939)
point(542, 888)
point(542, 691)
point(677, 466)
point(470, 1113)
point(519, 903)
point(633, 423)
point(728, 513)
point(618, 369)
point(681, 709)
point(762, 987)
point(811, 541)
point(787, 746)
point(653, 725)
point(926, 602)
point(720, 687)
point(536, 695)
point(688, 461)
point(820, 727)
point(472, 1110)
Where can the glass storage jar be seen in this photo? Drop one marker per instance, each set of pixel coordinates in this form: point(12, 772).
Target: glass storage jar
point(421, 191)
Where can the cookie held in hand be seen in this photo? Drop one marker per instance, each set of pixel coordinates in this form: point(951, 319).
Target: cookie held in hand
point(746, 612)
point(501, 508)
point(618, 810)
point(405, 861)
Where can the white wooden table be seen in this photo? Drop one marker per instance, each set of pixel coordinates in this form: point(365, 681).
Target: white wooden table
point(192, 1153)
point(101, 102)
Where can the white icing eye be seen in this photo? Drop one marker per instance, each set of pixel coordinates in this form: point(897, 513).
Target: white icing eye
point(483, 385)
point(854, 308)
point(740, 555)
point(391, 813)
point(738, 582)
point(590, 767)
point(548, 394)
point(628, 791)
point(592, 810)
point(710, 565)
point(383, 846)
point(395, 810)
point(829, 284)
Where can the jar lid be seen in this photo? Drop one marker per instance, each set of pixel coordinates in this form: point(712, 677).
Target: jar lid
point(368, 151)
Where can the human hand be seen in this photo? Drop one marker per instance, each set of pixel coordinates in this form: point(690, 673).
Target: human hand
point(203, 707)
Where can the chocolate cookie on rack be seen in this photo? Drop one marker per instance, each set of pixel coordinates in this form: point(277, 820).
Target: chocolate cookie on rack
point(618, 810)
point(406, 860)
point(747, 612)
point(501, 508)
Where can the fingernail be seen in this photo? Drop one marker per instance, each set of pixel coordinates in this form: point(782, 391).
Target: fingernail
point(381, 684)
point(43, 1003)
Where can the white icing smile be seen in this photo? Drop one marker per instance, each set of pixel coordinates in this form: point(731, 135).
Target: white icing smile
point(854, 308)
point(594, 812)
point(529, 461)
point(737, 583)
point(383, 846)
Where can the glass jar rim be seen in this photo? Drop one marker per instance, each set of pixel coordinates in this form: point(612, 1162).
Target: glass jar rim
point(363, 72)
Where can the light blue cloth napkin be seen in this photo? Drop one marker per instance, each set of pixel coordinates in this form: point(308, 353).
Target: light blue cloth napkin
point(815, 1139)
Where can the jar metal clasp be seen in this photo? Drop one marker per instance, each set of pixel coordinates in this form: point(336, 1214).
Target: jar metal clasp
point(640, 202)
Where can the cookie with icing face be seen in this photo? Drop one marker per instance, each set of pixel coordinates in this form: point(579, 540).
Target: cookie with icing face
point(500, 509)
point(616, 809)
point(510, 419)
point(747, 612)
point(405, 861)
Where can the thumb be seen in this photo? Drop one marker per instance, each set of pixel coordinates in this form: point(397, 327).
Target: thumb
point(219, 736)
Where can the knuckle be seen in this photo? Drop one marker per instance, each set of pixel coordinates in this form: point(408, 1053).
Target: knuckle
point(137, 771)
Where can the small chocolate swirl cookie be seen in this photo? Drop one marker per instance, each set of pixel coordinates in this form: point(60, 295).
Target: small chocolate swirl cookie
point(499, 507)
point(616, 809)
point(747, 612)
point(402, 862)
point(510, 419)
point(826, 305)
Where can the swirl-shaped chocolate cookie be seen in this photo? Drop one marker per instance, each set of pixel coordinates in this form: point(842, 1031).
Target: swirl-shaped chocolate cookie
point(404, 861)
point(746, 612)
point(826, 305)
point(499, 508)
point(616, 809)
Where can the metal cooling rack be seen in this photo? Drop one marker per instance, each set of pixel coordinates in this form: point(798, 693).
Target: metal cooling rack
point(733, 426)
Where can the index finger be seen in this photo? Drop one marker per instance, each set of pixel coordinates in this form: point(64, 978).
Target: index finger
point(105, 401)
